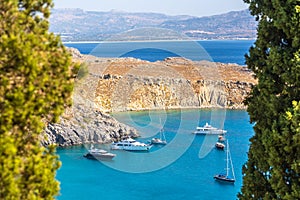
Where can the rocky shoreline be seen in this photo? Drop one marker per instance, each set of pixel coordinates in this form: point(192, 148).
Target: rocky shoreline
point(86, 126)
point(126, 84)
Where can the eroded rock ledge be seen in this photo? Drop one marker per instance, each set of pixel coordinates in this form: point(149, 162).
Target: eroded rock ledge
point(130, 84)
point(82, 125)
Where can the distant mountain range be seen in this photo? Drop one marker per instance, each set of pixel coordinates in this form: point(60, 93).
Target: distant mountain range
point(80, 25)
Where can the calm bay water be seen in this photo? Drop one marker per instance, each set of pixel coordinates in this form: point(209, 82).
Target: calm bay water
point(183, 170)
point(189, 177)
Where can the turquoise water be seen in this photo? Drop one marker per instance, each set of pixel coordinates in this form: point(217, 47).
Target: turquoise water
point(183, 169)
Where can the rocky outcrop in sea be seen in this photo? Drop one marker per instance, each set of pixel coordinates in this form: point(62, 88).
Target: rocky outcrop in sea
point(83, 125)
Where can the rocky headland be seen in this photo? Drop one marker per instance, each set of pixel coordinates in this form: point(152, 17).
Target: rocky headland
point(107, 85)
point(83, 125)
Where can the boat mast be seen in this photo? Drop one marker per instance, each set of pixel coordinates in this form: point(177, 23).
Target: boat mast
point(162, 135)
point(160, 131)
point(232, 170)
point(227, 153)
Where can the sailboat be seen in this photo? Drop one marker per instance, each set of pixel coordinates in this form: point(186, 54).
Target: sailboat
point(226, 177)
point(161, 140)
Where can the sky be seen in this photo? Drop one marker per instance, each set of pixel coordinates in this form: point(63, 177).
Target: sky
point(171, 7)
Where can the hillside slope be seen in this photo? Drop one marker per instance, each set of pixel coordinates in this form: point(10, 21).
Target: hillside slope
point(80, 25)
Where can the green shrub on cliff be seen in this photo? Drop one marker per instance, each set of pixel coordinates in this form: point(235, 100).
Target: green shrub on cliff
point(273, 167)
point(35, 86)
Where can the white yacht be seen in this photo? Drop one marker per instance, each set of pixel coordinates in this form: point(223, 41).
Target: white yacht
point(130, 145)
point(95, 153)
point(209, 130)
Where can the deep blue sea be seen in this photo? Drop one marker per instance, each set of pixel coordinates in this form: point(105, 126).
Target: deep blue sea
point(225, 51)
point(184, 168)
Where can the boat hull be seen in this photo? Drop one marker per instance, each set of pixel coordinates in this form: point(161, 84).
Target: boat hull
point(161, 143)
point(131, 148)
point(106, 156)
point(209, 130)
point(130, 145)
point(158, 141)
point(221, 138)
point(223, 178)
point(221, 132)
point(220, 146)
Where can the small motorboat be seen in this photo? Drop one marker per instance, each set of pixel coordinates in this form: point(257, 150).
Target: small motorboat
point(219, 145)
point(221, 138)
point(99, 154)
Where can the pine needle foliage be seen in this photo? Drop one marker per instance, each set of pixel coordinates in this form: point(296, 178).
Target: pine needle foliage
point(35, 87)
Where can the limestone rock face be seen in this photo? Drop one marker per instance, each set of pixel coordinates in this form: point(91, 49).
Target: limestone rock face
point(83, 125)
point(130, 84)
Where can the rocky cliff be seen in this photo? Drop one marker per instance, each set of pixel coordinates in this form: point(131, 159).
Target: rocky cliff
point(107, 85)
point(83, 123)
point(129, 84)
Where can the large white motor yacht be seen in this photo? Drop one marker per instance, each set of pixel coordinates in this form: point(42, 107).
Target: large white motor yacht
point(130, 144)
point(209, 130)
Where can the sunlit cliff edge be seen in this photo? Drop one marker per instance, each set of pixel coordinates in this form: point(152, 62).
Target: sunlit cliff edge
point(126, 84)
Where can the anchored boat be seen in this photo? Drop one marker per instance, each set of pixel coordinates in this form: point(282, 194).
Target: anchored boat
point(96, 154)
point(130, 144)
point(161, 140)
point(225, 177)
point(209, 130)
